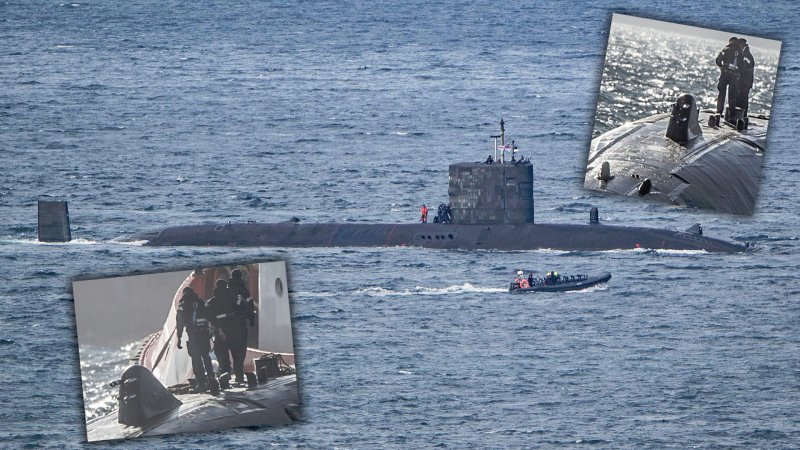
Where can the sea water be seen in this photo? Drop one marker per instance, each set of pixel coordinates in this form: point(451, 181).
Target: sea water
point(149, 114)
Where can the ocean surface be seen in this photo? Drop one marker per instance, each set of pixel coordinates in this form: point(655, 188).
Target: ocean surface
point(149, 114)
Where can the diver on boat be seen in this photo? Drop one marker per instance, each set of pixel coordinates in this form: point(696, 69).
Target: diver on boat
point(530, 279)
point(193, 316)
point(728, 61)
point(244, 313)
point(220, 312)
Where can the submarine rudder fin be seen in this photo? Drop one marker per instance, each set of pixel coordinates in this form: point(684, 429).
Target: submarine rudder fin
point(142, 397)
point(53, 221)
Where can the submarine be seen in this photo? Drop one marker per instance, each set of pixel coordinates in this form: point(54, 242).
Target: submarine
point(154, 393)
point(491, 207)
point(677, 158)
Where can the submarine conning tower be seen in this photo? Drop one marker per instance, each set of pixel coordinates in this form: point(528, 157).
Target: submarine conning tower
point(684, 122)
point(496, 191)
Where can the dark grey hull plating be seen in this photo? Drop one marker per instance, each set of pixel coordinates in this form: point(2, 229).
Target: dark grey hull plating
point(719, 170)
point(444, 236)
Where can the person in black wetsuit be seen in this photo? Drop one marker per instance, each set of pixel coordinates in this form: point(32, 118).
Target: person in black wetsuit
point(193, 317)
point(244, 313)
point(220, 312)
point(745, 83)
point(728, 61)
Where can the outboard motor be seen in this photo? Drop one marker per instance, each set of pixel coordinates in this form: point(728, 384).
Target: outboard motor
point(684, 124)
point(142, 397)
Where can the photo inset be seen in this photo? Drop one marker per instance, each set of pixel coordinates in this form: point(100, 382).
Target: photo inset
point(682, 115)
point(177, 352)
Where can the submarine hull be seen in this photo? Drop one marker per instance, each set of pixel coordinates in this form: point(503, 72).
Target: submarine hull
point(528, 236)
point(718, 170)
point(270, 404)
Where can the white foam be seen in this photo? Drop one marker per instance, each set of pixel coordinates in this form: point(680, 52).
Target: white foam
point(131, 243)
point(596, 287)
point(377, 291)
point(659, 251)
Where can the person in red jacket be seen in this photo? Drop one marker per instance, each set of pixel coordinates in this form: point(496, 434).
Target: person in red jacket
point(424, 211)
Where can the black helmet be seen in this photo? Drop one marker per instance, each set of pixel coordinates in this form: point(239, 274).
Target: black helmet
point(222, 283)
point(236, 274)
point(187, 290)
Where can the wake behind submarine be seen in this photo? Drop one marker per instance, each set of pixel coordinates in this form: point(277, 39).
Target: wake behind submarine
point(675, 158)
point(490, 207)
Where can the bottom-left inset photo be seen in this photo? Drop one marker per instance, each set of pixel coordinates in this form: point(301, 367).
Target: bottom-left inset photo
point(187, 351)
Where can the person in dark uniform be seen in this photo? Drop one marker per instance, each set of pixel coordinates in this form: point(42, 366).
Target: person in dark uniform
point(530, 279)
point(728, 62)
point(193, 317)
point(746, 67)
point(220, 312)
point(244, 313)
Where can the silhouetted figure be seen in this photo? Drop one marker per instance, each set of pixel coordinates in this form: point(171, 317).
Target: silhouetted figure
point(746, 68)
point(220, 312)
point(728, 61)
point(244, 314)
point(193, 317)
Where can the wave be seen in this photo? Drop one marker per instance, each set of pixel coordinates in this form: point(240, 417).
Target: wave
point(595, 288)
point(377, 291)
point(78, 241)
point(130, 243)
point(654, 251)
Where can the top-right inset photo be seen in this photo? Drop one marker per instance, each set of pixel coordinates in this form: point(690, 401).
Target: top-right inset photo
point(682, 115)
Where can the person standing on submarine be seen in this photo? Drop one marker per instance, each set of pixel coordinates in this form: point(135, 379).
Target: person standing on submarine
point(220, 312)
point(728, 62)
point(745, 82)
point(244, 313)
point(193, 317)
